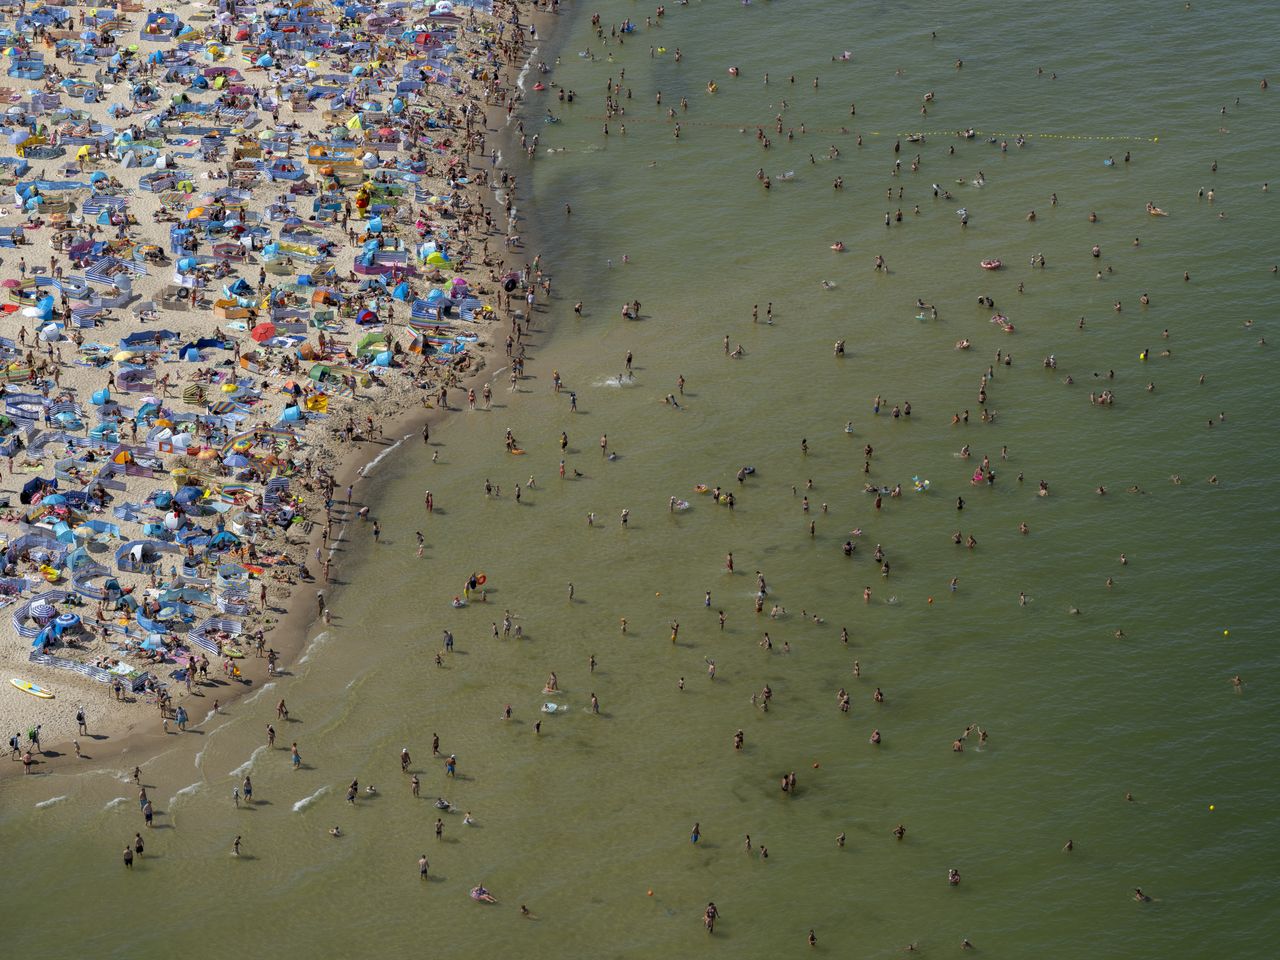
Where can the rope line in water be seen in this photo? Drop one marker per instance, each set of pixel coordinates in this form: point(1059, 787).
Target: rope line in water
point(845, 131)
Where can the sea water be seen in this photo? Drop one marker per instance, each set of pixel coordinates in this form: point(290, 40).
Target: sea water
point(588, 822)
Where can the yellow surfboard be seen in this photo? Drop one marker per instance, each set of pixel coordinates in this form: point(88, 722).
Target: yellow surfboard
point(26, 686)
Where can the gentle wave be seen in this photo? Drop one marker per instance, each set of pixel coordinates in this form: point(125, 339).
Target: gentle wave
point(185, 792)
point(318, 639)
point(260, 691)
point(248, 764)
point(50, 802)
point(364, 471)
point(112, 804)
point(307, 801)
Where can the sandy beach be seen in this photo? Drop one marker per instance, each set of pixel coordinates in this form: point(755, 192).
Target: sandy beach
point(263, 377)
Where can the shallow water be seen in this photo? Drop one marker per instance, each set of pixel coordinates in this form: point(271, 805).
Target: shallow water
point(582, 821)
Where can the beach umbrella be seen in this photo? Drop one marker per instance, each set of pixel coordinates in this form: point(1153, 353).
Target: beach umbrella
point(236, 461)
point(263, 332)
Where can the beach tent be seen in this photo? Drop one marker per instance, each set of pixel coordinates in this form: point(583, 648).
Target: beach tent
point(35, 486)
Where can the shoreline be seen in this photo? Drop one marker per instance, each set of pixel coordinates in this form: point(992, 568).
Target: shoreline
point(293, 625)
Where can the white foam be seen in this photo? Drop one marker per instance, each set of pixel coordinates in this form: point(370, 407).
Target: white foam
point(248, 764)
point(342, 532)
point(198, 757)
point(307, 801)
point(316, 641)
point(112, 804)
point(364, 471)
point(185, 792)
point(260, 691)
point(50, 802)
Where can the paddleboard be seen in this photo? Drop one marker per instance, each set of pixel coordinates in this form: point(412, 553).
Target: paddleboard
point(26, 686)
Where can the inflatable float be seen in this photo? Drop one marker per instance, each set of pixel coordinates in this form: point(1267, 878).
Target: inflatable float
point(992, 264)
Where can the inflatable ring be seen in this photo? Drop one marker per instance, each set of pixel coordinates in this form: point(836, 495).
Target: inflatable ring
point(481, 580)
point(700, 488)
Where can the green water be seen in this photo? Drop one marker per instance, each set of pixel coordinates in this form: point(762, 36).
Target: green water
point(582, 821)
